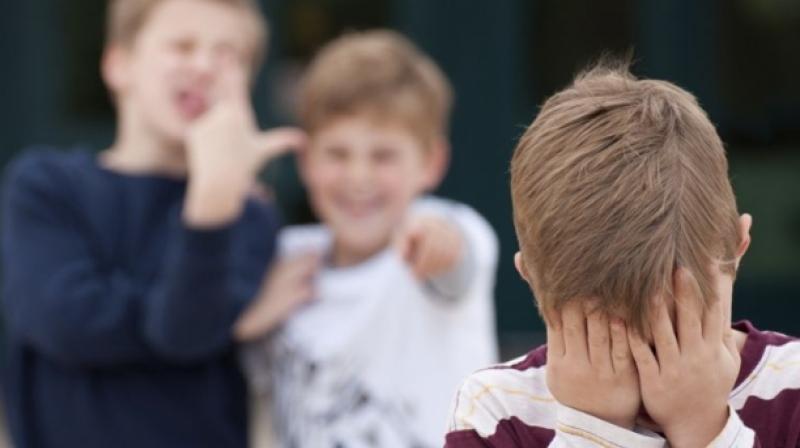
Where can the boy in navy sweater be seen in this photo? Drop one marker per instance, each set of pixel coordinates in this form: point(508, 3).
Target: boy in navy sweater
point(124, 272)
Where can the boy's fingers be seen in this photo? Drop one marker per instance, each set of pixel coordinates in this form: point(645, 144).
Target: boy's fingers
point(574, 328)
point(730, 343)
point(279, 141)
point(302, 267)
point(233, 91)
point(713, 327)
point(405, 248)
point(688, 310)
point(425, 257)
point(426, 246)
point(233, 85)
point(443, 249)
point(405, 243)
point(413, 241)
point(664, 334)
point(599, 341)
point(455, 244)
point(305, 293)
point(306, 259)
point(310, 263)
point(643, 357)
point(621, 357)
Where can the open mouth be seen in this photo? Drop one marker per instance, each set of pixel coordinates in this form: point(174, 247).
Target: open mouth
point(191, 104)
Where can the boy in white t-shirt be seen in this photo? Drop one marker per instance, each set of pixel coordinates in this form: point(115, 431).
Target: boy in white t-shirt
point(396, 290)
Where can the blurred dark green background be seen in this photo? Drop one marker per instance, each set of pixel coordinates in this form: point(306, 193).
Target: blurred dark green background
point(504, 57)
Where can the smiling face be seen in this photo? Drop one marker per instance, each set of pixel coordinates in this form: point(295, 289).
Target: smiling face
point(168, 76)
point(361, 176)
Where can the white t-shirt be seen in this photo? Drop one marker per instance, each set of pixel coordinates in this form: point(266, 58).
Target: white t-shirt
point(376, 358)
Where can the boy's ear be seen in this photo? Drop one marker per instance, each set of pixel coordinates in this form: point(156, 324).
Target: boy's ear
point(522, 269)
point(745, 223)
point(114, 68)
point(437, 164)
point(519, 263)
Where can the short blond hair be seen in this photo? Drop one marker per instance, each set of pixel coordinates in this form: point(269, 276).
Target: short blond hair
point(126, 18)
point(379, 72)
point(616, 183)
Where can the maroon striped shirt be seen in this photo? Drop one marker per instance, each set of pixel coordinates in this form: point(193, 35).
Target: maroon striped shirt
point(509, 405)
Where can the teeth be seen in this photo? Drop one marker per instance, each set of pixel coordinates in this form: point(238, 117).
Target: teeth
point(359, 207)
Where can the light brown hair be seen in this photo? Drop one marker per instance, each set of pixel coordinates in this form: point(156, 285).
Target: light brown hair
point(379, 72)
point(616, 183)
point(126, 18)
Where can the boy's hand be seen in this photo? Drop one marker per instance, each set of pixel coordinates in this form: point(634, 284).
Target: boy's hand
point(288, 285)
point(225, 151)
point(686, 383)
point(590, 367)
point(431, 245)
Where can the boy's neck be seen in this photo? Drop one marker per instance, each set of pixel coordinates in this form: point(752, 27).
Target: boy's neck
point(343, 256)
point(136, 151)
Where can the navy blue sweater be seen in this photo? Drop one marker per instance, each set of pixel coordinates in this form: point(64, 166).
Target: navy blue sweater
point(118, 315)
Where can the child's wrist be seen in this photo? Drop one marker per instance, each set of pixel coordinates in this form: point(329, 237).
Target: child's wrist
point(254, 323)
point(697, 430)
point(213, 203)
point(626, 423)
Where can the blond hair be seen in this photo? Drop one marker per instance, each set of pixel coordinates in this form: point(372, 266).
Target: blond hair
point(126, 18)
point(379, 72)
point(616, 183)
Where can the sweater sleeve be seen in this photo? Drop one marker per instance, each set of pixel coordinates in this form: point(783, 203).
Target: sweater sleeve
point(60, 299)
point(189, 312)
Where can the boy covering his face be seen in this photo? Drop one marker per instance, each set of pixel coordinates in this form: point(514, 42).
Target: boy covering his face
point(630, 240)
